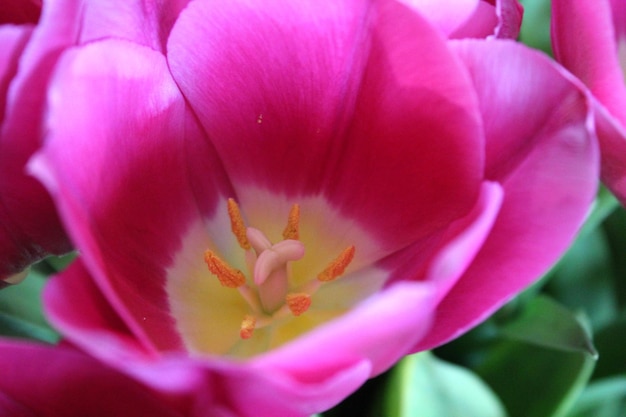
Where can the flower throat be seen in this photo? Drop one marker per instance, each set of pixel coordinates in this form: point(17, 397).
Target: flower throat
point(268, 293)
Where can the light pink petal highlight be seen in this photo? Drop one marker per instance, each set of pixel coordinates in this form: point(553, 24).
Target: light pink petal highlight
point(401, 313)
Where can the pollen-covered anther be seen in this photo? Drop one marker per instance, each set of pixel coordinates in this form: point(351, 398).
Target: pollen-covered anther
point(247, 327)
point(338, 266)
point(292, 230)
point(229, 277)
point(298, 303)
point(237, 225)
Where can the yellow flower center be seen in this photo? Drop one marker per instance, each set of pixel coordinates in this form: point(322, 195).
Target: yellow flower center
point(267, 287)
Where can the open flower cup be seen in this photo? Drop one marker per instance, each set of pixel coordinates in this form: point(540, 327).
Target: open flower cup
point(294, 196)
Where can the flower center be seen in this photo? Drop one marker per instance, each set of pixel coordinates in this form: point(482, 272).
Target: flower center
point(267, 287)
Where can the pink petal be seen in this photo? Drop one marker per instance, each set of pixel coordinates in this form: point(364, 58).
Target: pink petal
point(447, 15)
point(584, 37)
point(20, 11)
point(13, 39)
point(261, 392)
point(541, 148)
point(481, 24)
point(336, 108)
point(401, 313)
point(584, 42)
point(129, 201)
point(29, 227)
point(78, 309)
point(509, 14)
point(450, 256)
point(43, 381)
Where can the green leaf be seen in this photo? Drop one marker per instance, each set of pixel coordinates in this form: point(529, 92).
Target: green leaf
point(543, 322)
point(535, 31)
point(610, 342)
point(543, 361)
point(603, 398)
point(59, 263)
point(21, 313)
point(422, 385)
point(584, 280)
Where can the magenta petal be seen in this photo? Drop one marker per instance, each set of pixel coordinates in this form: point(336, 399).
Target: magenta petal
point(260, 392)
point(401, 313)
point(29, 227)
point(340, 111)
point(548, 187)
point(464, 239)
point(584, 42)
point(447, 15)
point(510, 13)
point(44, 381)
point(584, 37)
point(20, 11)
point(79, 310)
point(121, 97)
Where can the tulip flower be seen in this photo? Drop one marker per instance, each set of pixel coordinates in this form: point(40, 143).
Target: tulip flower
point(295, 196)
point(29, 225)
point(589, 38)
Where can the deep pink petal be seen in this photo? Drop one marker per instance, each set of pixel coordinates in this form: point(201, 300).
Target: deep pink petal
point(547, 164)
point(13, 39)
point(31, 226)
point(510, 13)
point(336, 108)
point(129, 200)
point(20, 11)
point(44, 381)
point(444, 260)
point(584, 42)
point(12, 243)
point(76, 306)
point(585, 39)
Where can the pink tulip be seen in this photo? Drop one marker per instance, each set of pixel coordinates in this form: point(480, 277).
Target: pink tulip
point(589, 38)
point(297, 195)
point(29, 225)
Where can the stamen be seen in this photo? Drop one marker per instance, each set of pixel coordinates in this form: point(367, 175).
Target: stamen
point(338, 266)
point(298, 303)
point(237, 225)
point(228, 276)
point(247, 327)
point(292, 230)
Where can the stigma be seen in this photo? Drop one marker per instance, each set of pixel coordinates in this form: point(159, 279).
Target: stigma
point(267, 285)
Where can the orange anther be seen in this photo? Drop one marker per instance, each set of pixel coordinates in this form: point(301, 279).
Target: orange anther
point(298, 303)
point(237, 225)
point(247, 327)
point(292, 230)
point(229, 277)
point(338, 266)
